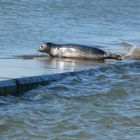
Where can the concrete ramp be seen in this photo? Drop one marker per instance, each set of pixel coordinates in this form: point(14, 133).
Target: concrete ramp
point(20, 75)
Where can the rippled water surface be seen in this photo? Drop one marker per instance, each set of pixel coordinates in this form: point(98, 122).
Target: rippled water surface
point(25, 24)
point(100, 104)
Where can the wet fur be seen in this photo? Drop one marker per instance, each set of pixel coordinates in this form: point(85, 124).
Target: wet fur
point(76, 51)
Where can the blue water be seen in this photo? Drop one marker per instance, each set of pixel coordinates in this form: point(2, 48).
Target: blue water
point(104, 104)
point(25, 24)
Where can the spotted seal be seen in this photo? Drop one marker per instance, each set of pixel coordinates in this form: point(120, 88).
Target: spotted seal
point(76, 51)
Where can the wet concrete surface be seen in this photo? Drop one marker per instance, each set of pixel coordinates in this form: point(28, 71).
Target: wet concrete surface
point(30, 71)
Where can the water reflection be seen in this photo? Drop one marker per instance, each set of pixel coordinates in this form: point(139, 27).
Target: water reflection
point(62, 65)
point(66, 64)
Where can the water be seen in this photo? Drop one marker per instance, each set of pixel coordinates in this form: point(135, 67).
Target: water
point(77, 107)
point(100, 104)
point(25, 24)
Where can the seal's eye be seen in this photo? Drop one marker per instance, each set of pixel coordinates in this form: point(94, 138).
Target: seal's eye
point(41, 47)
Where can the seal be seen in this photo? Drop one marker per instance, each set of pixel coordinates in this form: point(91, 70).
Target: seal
point(76, 51)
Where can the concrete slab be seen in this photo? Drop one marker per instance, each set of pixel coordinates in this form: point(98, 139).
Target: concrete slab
point(16, 68)
point(19, 75)
point(8, 87)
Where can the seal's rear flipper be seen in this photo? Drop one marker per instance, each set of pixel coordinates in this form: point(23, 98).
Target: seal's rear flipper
point(117, 57)
point(109, 55)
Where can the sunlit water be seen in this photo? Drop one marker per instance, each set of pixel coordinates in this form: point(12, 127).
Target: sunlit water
point(99, 104)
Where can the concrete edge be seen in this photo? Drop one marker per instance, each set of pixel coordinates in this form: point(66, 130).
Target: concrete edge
point(7, 87)
point(18, 86)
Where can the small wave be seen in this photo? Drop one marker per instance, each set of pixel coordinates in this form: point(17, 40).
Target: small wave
point(133, 51)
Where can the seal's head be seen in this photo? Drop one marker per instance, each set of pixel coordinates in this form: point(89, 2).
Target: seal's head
point(46, 47)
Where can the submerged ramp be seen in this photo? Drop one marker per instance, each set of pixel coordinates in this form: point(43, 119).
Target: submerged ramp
point(20, 75)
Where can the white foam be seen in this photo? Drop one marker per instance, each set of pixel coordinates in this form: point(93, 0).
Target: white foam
point(133, 51)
